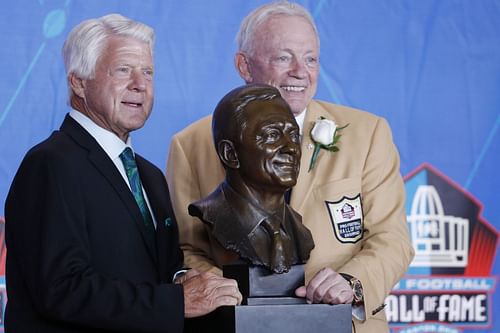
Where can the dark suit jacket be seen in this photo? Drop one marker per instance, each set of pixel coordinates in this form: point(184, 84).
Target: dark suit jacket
point(78, 259)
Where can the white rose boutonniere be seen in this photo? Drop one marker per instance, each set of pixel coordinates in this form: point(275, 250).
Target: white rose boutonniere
point(325, 135)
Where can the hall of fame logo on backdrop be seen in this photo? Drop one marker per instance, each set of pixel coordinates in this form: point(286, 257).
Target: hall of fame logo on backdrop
point(449, 284)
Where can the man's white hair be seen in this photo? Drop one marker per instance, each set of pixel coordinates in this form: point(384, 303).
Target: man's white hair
point(250, 24)
point(87, 41)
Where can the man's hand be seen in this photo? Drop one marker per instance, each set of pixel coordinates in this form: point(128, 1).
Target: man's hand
point(327, 286)
point(204, 292)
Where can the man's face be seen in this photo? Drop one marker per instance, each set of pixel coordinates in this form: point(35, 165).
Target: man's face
point(269, 150)
point(286, 56)
point(120, 97)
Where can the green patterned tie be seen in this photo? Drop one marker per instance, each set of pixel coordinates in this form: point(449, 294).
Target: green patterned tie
point(128, 160)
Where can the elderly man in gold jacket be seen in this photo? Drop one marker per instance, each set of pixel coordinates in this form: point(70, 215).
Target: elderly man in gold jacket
point(351, 199)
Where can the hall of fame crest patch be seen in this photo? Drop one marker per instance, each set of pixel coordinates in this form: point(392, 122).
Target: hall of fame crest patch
point(346, 216)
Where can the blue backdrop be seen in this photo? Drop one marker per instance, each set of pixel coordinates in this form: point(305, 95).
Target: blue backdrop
point(430, 67)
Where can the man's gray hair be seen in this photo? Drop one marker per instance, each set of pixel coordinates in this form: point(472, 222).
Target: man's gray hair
point(250, 24)
point(87, 41)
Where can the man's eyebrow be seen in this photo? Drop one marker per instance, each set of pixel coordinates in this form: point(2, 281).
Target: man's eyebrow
point(120, 63)
point(274, 124)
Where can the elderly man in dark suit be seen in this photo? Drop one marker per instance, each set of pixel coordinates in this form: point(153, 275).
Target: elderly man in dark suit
point(92, 239)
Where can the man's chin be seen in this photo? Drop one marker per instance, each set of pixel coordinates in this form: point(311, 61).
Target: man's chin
point(297, 106)
point(136, 123)
point(287, 181)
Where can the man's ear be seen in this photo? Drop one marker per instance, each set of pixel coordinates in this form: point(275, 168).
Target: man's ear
point(243, 67)
point(77, 85)
point(227, 154)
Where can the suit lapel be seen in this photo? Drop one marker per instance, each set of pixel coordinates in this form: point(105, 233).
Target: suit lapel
point(98, 157)
point(158, 207)
point(305, 181)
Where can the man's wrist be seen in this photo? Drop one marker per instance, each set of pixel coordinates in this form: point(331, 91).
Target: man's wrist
point(357, 288)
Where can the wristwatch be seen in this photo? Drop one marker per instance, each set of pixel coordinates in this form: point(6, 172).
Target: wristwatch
point(357, 288)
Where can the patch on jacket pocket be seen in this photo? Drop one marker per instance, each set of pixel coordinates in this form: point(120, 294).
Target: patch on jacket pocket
point(346, 216)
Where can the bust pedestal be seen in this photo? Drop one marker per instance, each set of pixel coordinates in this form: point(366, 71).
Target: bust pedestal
point(269, 305)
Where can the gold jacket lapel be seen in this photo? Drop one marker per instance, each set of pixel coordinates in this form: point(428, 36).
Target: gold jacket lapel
point(305, 180)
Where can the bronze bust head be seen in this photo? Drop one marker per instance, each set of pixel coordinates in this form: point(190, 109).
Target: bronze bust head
point(258, 142)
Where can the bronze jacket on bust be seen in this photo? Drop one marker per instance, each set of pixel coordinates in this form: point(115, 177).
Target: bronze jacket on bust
point(237, 225)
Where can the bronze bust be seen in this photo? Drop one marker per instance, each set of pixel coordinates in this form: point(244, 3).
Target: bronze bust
point(257, 140)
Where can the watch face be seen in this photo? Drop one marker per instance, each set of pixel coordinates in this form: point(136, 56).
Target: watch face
point(357, 290)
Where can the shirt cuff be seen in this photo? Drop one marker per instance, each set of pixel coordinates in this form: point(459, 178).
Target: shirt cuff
point(180, 273)
point(358, 312)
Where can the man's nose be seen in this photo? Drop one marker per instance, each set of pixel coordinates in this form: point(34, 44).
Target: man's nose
point(138, 80)
point(290, 146)
point(298, 69)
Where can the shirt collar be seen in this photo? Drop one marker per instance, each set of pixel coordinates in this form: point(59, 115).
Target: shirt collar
point(252, 213)
point(109, 141)
point(300, 120)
